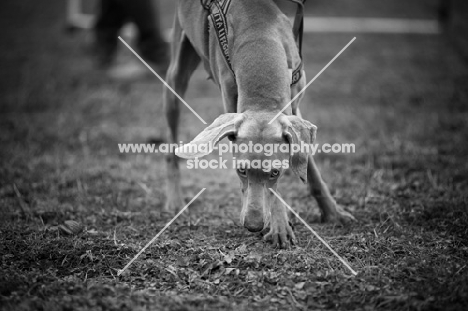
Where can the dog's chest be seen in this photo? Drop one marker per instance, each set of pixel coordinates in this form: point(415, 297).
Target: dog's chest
point(212, 29)
point(208, 32)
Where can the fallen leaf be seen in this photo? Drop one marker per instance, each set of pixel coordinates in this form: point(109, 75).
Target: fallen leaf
point(299, 285)
point(92, 232)
point(228, 258)
point(71, 227)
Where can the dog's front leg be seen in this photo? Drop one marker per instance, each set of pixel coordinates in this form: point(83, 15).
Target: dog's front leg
point(281, 232)
point(331, 212)
point(174, 199)
point(184, 60)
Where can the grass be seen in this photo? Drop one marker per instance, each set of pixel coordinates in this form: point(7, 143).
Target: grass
point(401, 99)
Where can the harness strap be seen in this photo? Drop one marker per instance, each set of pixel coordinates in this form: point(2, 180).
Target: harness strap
point(298, 27)
point(218, 10)
point(217, 14)
point(298, 31)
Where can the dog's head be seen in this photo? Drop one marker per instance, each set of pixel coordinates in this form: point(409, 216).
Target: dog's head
point(262, 153)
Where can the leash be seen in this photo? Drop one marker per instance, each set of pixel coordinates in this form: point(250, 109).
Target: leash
point(217, 14)
point(217, 10)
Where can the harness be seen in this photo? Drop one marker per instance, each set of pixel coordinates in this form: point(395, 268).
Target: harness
point(217, 10)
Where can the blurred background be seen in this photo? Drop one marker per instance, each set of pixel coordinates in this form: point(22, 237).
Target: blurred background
point(399, 93)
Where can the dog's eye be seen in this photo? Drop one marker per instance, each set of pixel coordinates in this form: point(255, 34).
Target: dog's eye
point(274, 173)
point(242, 171)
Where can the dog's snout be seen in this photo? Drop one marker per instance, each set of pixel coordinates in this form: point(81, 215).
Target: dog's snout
point(253, 221)
point(254, 226)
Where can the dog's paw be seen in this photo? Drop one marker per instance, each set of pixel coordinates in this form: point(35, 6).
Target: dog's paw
point(174, 198)
point(340, 216)
point(345, 218)
point(281, 234)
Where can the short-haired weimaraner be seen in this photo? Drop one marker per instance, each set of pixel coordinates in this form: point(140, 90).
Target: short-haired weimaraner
point(249, 49)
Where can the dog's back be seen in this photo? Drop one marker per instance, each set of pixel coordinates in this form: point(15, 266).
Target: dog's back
point(259, 33)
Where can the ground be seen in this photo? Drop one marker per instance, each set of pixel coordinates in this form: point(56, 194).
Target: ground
point(401, 99)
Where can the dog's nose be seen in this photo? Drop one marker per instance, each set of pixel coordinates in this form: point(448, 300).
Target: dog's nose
point(253, 221)
point(254, 227)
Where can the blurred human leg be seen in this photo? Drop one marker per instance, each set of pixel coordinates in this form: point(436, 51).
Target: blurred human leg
point(110, 20)
point(151, 43)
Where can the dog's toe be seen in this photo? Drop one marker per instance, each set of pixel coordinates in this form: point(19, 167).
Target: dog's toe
point(283, 239)
point(346, 218)
point(341, 217)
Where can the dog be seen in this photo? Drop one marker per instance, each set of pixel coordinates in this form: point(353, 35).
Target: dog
point(251, 49)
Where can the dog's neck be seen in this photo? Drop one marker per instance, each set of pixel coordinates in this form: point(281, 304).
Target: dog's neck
point(262, 75)
point(259, 58)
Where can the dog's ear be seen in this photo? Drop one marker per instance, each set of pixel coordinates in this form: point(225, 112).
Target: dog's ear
point(297, 130)
point(225, 125)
